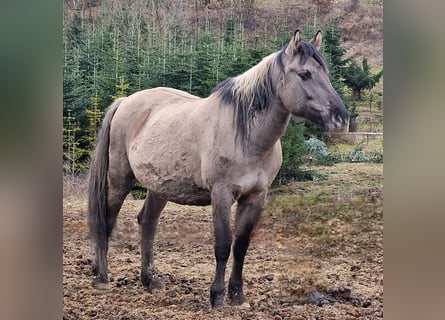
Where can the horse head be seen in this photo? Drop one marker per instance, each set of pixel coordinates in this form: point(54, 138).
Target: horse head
point(305, 89)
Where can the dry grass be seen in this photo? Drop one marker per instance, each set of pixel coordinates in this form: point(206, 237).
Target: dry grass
point(345, 205)
point(74, 187)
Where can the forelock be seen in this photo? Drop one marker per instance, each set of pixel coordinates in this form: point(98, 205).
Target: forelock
point(307, 50)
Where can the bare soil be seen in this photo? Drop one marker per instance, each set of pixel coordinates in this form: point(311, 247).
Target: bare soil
point(317, 254)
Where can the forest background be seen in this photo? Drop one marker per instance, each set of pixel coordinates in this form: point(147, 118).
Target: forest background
point(114, 48)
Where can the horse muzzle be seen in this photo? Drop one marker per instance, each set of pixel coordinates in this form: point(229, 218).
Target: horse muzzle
point(339, 123)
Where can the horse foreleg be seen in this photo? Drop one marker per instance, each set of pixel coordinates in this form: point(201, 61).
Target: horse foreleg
point(148, 219)
point(247, 216)
point(222, 200)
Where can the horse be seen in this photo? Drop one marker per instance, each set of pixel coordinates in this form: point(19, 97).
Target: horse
point(207, 151)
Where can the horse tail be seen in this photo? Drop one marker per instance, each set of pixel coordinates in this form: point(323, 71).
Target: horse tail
point(98, 184)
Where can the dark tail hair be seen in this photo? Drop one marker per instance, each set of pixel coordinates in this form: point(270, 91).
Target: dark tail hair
point(98, 185)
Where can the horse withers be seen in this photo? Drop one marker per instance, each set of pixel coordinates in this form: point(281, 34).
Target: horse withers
point(199, 151)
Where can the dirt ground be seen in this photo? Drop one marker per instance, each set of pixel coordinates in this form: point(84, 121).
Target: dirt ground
point(317, 254)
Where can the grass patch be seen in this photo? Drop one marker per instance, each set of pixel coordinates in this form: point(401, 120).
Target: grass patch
point(345, 205)
point(366, 150)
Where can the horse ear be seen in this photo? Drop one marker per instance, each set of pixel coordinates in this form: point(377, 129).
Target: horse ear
point(292, 47)
point(316, 41)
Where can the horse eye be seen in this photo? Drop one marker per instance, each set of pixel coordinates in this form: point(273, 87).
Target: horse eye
point(305, 75)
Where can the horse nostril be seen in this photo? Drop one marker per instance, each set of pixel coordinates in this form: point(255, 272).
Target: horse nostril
point(338, 118)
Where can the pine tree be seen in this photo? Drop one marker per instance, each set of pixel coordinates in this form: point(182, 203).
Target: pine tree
point(359, 78)
point(121, 88)
point(334, 53)
point(293, 149)
point(74, 84)
point(178, 68)
point(71, 151)
point(75, 33)
point(75, 96)
point(337, 64)
point(94, 115)
point(111, 63)
point(205, 57)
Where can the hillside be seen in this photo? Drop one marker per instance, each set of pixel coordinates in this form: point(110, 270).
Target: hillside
point(361, 22)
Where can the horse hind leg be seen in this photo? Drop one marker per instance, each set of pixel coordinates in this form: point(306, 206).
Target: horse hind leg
point(120, 179)
point(118, 189)
point(148, 220)
point(247, 216)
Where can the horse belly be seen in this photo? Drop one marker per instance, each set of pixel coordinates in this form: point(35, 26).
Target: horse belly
point(172, 180)
point(183, 191)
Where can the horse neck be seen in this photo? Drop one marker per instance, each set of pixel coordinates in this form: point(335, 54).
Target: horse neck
point(270, 123)
point(253, 96)
point(267, 129)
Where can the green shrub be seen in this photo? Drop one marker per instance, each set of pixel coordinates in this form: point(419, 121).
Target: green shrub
point(318, 152)
point(294, 150)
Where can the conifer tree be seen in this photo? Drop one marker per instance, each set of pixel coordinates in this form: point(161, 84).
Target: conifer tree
point(71, 151)
point(359, 78)
point(121, 88)
point(205, 57)
point(334, 55)
point(293, 149)
point(94, 115)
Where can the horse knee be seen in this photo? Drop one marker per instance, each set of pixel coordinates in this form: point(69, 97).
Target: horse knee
point(222, 249)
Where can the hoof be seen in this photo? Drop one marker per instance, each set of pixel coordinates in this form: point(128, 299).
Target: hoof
point(101, 284)
point(237, 299)
point(217, 300)
point(218, 303)
point(152, 283)
point(156, 287)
